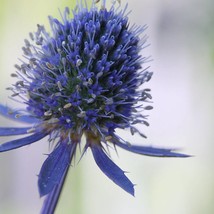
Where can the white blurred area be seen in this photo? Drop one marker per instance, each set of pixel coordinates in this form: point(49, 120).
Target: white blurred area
point(180, 34)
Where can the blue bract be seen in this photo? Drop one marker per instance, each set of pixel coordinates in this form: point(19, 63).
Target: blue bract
point(85, 78)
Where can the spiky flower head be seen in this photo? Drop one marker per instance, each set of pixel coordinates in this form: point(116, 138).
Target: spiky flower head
point(84, 78)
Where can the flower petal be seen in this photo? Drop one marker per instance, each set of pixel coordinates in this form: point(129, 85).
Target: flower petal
point(110, 169)
point(8, 131)
point(9, 113)
point(22, 142)
point(151, 151)
point(54, 167)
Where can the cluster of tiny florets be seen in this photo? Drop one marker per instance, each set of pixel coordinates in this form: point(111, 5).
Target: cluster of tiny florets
point(86, 74)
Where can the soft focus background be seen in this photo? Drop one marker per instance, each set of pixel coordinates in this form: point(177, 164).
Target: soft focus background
point(181, 37)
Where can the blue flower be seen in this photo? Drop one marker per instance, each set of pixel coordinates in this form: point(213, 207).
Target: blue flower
point(85, 78)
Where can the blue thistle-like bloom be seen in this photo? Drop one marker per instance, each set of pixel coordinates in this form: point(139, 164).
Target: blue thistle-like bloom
point(84, 78)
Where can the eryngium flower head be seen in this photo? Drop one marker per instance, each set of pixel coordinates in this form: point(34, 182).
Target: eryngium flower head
point(85, 78)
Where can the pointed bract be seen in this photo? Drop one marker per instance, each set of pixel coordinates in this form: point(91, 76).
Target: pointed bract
point(15, 115)
point(110, 169)
point(52, 198)
point(14, 144)
point(151, 151)
point(8, 131)
point(54, 167)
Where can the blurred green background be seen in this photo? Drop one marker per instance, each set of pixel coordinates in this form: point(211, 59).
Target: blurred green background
point(181, 36)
